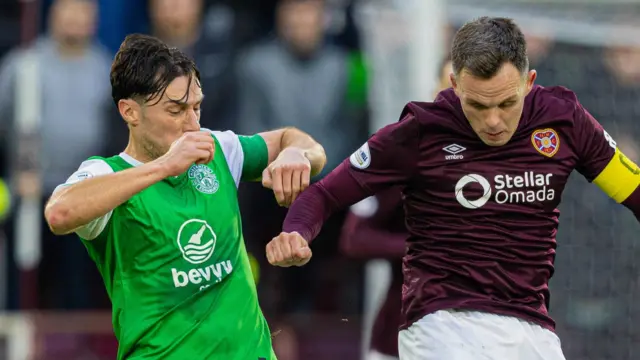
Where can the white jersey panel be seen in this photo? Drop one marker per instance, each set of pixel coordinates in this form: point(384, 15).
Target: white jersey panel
point(87, 170)
point(233, 153)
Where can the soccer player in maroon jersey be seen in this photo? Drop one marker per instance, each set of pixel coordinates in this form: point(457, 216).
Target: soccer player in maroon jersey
point(482, 168)
point(374, 228)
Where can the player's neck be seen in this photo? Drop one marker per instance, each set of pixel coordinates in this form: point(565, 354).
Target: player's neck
point(138, 152)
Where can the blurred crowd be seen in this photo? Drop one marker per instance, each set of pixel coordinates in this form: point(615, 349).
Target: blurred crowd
point(267, 64)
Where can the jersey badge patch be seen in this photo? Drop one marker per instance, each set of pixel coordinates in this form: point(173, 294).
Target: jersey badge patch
point(196, 241)
point(546, 141)
point(203, 179)
point(361, 158)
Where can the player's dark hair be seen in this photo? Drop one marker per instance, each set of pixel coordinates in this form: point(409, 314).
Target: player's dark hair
point(144, 66)
point(483, 45)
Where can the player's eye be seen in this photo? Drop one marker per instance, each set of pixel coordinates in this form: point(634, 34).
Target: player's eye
point(478, 106)
point(507, 104)
point(175, 111)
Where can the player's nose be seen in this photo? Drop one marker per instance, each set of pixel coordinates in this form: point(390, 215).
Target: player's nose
point(493, 121)
point(192, 120)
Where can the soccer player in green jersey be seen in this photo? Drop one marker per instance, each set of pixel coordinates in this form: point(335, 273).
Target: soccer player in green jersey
point(161, 219)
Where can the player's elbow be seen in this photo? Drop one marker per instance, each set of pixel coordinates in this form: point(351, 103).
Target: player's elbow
point(58, 218)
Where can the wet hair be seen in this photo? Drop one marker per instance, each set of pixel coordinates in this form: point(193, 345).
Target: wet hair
point(483, 45)
point(144, 66)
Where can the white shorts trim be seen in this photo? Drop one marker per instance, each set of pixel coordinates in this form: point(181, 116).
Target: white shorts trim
point(475, 335)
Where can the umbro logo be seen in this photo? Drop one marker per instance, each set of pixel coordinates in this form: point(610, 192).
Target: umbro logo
point(454, 150)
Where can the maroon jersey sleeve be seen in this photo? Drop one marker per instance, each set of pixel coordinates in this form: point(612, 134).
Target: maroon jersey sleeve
point(388, 158)
point(602, 162)
point(594, 146)
point(373, 232)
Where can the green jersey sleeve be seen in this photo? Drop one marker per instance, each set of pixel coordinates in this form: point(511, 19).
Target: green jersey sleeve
point(247, 156)
point(256, 156)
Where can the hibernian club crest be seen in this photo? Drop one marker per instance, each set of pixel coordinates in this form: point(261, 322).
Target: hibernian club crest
point(203, 179)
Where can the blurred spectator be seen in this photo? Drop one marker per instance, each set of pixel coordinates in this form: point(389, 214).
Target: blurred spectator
point(206, 34)
point(297, 79)
point(72, 77)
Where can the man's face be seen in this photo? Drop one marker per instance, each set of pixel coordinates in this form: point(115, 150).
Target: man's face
point(160, 123)
point(73, 21)
point(301, 24)
point(493, 106)
point(175, 18)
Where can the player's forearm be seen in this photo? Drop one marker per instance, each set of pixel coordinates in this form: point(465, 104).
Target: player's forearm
point(294, 138)
point(76, 205)
point(360, 239)
point(312, 208)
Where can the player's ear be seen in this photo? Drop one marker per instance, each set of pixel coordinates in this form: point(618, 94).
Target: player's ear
point(454, 84)
point(531, 79)
point(452, 80)
point(130, 111)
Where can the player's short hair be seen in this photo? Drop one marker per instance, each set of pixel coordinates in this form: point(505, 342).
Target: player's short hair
point(483, 45)
point(144, 66)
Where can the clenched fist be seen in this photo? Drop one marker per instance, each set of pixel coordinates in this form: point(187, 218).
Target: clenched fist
point(288, 249)
point(288, 175)
point(192, 147)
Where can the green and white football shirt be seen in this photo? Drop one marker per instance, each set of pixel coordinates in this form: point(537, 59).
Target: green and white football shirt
point(174, 262)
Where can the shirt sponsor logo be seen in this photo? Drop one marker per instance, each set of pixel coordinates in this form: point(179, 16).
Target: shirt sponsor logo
point(546, 141)
point(454, 150)
point(361, 158)
point(197, 241)
point(205, 275)
point(529, 187)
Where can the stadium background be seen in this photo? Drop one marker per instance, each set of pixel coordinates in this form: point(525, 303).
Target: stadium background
point(376, 55)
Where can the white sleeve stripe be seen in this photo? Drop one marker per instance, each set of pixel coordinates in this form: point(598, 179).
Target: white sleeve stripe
point(89, 169)
point(233, 154)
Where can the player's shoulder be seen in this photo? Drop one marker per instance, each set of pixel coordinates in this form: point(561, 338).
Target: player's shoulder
point(92, 167)
point(444, 114)
point(230, 144)
point(551, 104)
point(99, 164)
point(226, 138)
point(446, 103)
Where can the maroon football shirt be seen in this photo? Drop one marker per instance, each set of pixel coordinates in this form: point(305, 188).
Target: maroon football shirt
point(482, 220)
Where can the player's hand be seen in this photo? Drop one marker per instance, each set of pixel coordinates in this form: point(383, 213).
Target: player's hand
point(288, 175)
point(192, 147)
point(288, 249)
